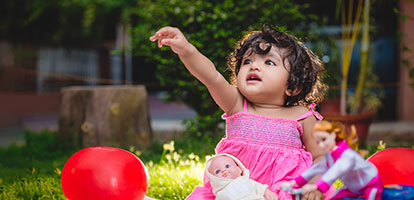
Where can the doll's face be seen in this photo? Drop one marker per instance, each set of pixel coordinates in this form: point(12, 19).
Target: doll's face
point(325, 140)
point(224, 167)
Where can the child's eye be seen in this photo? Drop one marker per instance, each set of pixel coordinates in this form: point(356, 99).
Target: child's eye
point(217, 171)
point(227, 166)
point(271, 63)
point(247, 61)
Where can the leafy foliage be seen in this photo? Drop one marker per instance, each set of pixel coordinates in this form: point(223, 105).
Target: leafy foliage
point(214, 28)
point(64, 21)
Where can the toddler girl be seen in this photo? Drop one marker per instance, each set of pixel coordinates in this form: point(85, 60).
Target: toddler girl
point(230, 180)
point(360, 177)
point(268, 110)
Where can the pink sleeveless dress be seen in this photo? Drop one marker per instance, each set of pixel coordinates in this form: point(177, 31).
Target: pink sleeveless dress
point(271, 148)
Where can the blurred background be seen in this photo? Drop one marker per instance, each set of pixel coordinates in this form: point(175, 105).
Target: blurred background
point(48, 45)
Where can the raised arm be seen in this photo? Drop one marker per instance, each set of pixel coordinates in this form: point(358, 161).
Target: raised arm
point(225, 95)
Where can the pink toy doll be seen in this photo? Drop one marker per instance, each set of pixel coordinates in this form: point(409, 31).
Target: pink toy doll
point(360, 177)
point(230, 180)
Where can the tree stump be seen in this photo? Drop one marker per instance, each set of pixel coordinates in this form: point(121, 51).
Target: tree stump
point(116, 116)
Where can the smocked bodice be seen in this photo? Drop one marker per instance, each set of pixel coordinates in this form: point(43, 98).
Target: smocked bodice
point(263, 130)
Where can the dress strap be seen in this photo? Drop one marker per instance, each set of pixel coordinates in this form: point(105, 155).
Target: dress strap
point(244, 105)
point(310, 113)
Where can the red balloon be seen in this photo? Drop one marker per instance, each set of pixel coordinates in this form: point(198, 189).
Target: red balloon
point(104, 173)
point(395, 165)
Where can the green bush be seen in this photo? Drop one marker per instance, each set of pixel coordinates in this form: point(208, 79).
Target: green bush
point(213, 27)
point(63, 22)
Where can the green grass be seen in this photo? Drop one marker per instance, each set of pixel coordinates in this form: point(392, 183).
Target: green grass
point(33, 171)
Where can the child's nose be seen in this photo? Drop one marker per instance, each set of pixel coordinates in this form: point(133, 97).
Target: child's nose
point(254, 66)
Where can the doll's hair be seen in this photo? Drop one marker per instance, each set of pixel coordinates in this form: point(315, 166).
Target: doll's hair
point(305, 67)
point(342, 132)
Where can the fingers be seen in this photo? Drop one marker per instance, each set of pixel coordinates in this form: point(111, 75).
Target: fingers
point(165, 32)
point(305, 197)
point(166, 36)
point(159, 43)
point(287, 185)
point(271, 197)
point(172, 37)
point(315, 195)
point(167, 42)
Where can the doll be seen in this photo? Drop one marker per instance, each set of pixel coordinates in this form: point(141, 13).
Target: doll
point(360, 177)
point(230, 180)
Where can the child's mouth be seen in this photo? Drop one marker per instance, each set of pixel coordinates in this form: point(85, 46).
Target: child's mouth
point(253, 77)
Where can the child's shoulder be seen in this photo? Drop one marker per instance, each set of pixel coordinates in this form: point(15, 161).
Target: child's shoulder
point(291, 112)
point(297, 110)
point(303, 114)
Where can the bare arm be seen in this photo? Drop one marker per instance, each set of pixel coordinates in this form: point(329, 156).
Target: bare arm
point(316, 152)
point(225, 95)
point(308, 140)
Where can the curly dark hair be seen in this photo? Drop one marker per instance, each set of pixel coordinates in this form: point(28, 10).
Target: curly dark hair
point(305, 67)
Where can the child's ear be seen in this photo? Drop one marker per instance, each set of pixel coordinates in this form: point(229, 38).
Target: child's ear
point(293, 92)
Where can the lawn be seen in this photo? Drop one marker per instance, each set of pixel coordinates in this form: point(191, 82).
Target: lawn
point(33, 171)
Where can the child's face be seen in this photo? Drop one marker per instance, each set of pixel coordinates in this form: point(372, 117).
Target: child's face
point(224, 167)
point(325, 140)
point(262, 77)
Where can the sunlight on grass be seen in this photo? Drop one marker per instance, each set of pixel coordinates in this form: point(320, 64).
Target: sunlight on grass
point(176, 175)
point(33, 187)
point(33, 171)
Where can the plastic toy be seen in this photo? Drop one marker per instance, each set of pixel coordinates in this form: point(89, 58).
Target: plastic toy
point(395, 165)
point(394, 192)
point(400, 192)
point(396, 169)
point(295, 192)
point(104, 173)
point(230, 179)
point(359, 177)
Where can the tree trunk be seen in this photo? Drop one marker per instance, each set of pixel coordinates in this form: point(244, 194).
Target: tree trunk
point(115, 116)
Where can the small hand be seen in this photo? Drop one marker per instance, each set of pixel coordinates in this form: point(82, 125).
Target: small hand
point(269, 195)
point(311, 192)
point(287, 185)
point(315, 195)
point(172, 37)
